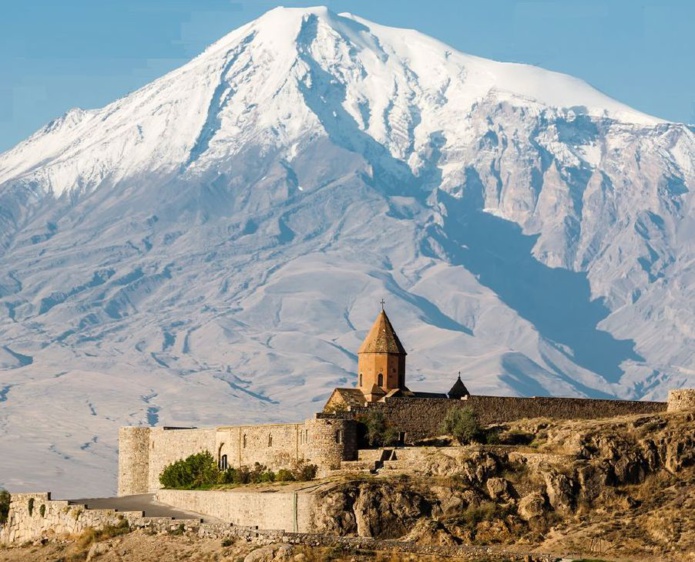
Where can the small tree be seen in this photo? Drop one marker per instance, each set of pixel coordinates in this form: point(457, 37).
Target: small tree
point(4, 505)
point(463, 424)
point(378, 432)
point(196, 471)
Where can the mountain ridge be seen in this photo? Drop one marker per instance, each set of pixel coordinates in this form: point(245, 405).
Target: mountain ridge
point(212, 248)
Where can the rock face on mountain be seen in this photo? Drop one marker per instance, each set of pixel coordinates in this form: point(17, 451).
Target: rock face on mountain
point(212, 247)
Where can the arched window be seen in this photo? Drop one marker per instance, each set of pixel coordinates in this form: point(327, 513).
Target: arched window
point(223, 462)
point(270, 440)
point(360, 379)
point(244, 442)
point(306, 436)
point(380, 380)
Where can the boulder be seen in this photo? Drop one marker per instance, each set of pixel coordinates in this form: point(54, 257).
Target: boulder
point(533, 505)
point(499, 489)
point(560, 491)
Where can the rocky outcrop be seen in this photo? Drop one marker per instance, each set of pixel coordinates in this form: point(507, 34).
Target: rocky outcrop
point(497, 494)
point(383, 510)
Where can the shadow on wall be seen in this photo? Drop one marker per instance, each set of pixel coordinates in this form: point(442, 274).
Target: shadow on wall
point(556, 301)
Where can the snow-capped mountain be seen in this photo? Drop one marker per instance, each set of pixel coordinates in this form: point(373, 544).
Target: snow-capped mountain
point(213, 247)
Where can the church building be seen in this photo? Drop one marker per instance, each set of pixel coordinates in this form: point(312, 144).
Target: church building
point(381, 371)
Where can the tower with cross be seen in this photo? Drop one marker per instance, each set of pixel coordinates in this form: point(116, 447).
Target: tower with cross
point(381, 360)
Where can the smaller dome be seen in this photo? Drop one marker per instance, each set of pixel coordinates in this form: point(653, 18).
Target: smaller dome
point(459, 390)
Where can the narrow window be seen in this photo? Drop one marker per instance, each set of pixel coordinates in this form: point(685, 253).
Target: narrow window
point(223, 462)
point(339, 436)
point(270, 440)
point(360, 379)
point(244, 441)
point(380, 380)
point(306, 436)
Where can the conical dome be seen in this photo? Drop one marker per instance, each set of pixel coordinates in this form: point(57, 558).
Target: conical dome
point(382, 338)
point(381, 360)
point(459, 390)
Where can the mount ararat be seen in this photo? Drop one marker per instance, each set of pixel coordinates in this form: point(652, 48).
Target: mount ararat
point(212, 248)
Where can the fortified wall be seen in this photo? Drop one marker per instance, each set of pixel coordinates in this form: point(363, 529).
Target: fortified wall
point(420, 418)
point(34, 516)
point(144, 452)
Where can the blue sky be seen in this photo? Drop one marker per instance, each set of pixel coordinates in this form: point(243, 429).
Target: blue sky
point(55, 55)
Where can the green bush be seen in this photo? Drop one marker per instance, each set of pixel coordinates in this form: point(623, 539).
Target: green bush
point(4, 504)
point(305, 472)
point(377, 431)
point(200, 471)
point(196, 471)
point(285, 475)
point(463, 424)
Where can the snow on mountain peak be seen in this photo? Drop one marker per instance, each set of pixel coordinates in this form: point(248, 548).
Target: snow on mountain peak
point(253, 83)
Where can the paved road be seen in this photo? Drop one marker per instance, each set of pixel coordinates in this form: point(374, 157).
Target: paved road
point(142, 502)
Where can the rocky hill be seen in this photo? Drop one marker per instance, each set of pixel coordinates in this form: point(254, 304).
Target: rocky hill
point(619, 488)
point(211, 248)
point(615, 489)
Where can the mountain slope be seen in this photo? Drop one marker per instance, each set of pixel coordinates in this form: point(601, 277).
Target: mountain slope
point(212, 248)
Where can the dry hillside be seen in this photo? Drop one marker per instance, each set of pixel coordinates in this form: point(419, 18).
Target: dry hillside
point(614, 489)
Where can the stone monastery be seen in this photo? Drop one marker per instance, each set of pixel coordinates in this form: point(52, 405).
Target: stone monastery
point(331, 436)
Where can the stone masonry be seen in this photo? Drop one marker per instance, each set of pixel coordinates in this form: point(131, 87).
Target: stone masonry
point(34, 516)
point(145, 452)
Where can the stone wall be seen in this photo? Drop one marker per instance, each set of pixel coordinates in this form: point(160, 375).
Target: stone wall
point(331, 441)
point(168, 445)
point(275, 446)
point(420, 418)
point(133, 460)
point(145, 452)
point(36, 516)
point(61, 519)
point(323, 442)
point(279, 510)
point(683, 399)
